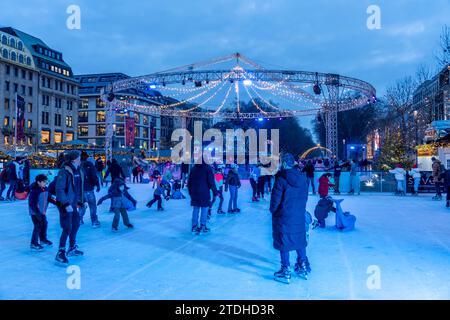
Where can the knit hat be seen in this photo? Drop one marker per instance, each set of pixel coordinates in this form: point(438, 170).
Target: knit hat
point(288, 159)
point(72, 155)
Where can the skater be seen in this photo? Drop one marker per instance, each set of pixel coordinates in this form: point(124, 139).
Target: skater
point(415, 174)
point(233, 183)
point(184, 174)
point(116, 171)
point(99, 166)
point(354, 178)
point(3, 181)
point(337, 176)
point(447, 185)
point(38, 202)
point(219, 180)
point(288, 207)
point(13, 172)
point(400, 176)
point(91, 182)
point(118, 193)
point(177, 194)
point(254, 176)
point(324, 185)
point(438, 170)
point(309, 170)
point(200, 184)
point(69, 195)
point(157, 196)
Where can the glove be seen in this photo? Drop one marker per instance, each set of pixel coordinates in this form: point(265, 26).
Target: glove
point(68, 208)
point(82, 205)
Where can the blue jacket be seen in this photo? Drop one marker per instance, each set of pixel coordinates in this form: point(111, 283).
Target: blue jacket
point(38, 200)
point(118, 196)
point(288, 206)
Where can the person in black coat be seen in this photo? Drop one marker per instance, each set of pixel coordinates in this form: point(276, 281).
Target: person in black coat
point(446, 176)
point(115, 170)
point(200, 184)
point(233, 183)
point(337, 176)
point(91, 182)
point(100, 166)
point(288, 207)
point(309, 170)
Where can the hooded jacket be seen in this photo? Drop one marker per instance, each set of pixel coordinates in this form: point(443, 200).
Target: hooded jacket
point(200, 183)
point(38, 200)
point(324, 184)
point(400, 173)
point(288, 207)
point(117, 195)
point(66, 189)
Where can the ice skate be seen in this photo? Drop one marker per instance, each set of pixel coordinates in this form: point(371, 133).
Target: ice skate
point(204, 229)
point(301, 271)
point(283, 275)
point(36, 247)
point(47, 242)
point(61, 258)
point(74, 252)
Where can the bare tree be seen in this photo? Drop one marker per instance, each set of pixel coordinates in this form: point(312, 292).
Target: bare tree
point(399, 99)
point(423, 73)
point(443, 55)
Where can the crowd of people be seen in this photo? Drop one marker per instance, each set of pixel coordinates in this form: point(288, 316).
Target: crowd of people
point(80, 177)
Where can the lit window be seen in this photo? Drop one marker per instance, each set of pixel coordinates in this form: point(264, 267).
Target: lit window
point(58, 137)
point(45, 136)
point(69, 136)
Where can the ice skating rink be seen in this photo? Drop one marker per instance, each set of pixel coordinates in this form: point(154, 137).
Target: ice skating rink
point(399, 250)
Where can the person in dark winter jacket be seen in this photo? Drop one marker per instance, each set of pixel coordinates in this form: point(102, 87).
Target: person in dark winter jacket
point(200, 184)
point(309, 170)
point(13, 173)
point(447, 186)
point(117, 193)
point(115, 170)
point(91, 182)
point(324, 185)
point(233, 183)
point(3, 181)
point(158, 194)
point(288, 207)
point(100, 166)
point(69, 194)
point(38, 202)
point(337, 176)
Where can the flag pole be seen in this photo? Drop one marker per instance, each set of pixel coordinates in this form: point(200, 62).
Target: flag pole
point(15, 127)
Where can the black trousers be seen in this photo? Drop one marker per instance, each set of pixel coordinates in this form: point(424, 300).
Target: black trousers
point(261, 182)
point(254, 187)
point(40, 228)
point(156, 198)
point(70, 223)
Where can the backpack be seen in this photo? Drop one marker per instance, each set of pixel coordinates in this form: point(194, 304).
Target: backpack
point(442, 172)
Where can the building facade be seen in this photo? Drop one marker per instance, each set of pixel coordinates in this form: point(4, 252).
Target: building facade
point(92, 115)
point(432, 97)
point(38, 73)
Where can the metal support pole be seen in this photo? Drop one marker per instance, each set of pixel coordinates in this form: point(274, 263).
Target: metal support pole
point(331, 117)
point(109, 130)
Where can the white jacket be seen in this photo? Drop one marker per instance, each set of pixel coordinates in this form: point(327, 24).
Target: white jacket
point(415, 173)
point(400, 173)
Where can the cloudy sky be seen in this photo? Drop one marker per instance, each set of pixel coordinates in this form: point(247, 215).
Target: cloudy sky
point(141, 37)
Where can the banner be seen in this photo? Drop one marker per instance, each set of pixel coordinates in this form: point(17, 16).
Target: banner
point(129, 132)
point(20, 122)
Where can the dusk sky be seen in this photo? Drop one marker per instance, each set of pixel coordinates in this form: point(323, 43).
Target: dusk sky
point(142, 37)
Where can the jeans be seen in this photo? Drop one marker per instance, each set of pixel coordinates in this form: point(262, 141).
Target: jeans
point(70, 223)
point(400, 186)
point(40, 228)
point(92, 203)
point(416, 184)
point(310, 180)
point(232, 203)
point(203, 216)
point(336, 184)
point(284, 254)
point(117, 213)
point(354, 183)
point(155, 199)
point(11, 193)
point(2, 187)
point(220, 196)
point(254, 187)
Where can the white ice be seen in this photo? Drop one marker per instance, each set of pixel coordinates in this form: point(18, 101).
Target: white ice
point(407, 240)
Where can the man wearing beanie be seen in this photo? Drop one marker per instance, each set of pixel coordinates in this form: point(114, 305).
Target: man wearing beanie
point(288, 207)
point(69, 195)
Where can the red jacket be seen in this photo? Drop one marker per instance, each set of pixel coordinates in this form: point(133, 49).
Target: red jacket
point(324, 184)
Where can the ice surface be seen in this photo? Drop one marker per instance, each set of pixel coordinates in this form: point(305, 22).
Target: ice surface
point(407, 238)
